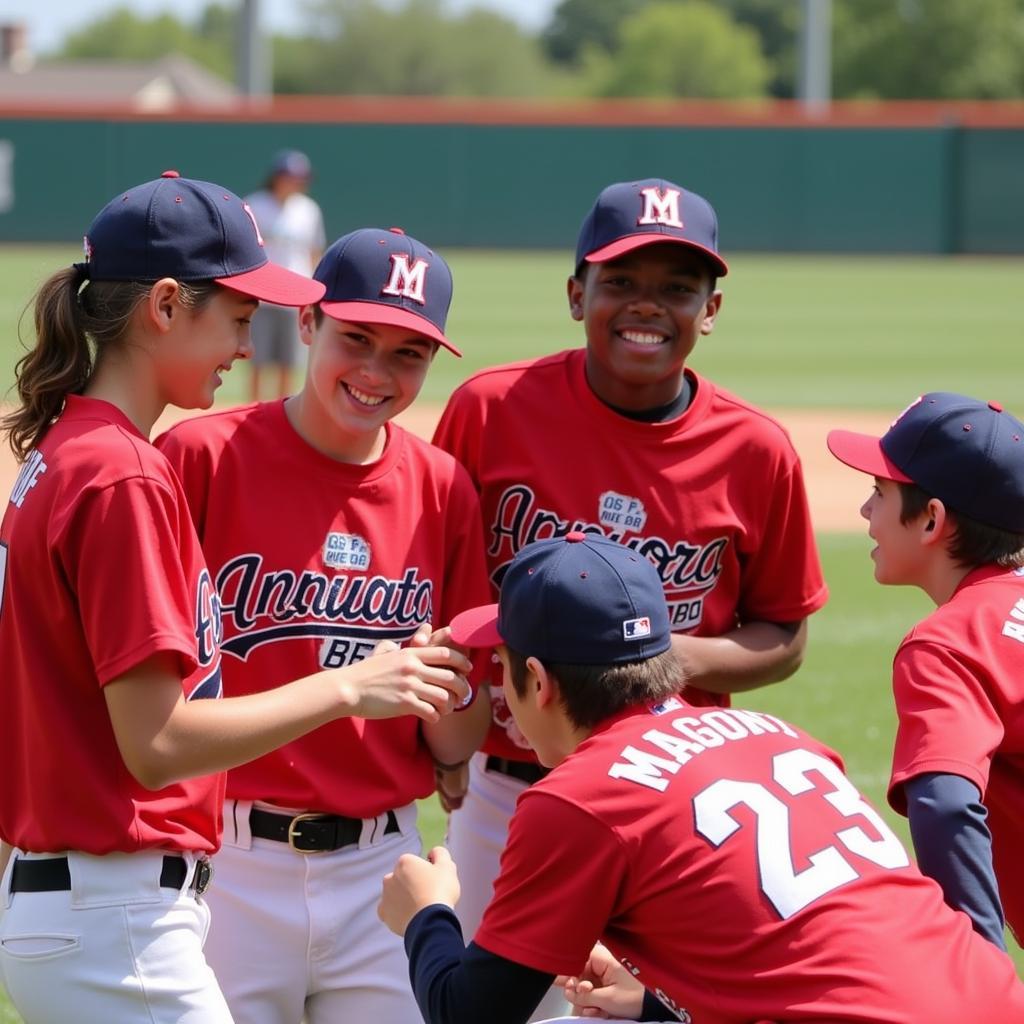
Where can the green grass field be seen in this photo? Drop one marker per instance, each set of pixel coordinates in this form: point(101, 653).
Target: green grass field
point(802, 331)
point(812, 332)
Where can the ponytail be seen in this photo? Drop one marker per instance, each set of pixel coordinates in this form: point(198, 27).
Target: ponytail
point(59, 365)
point(74, 326)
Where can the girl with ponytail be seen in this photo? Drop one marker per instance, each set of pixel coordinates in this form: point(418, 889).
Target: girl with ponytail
point(113, 742)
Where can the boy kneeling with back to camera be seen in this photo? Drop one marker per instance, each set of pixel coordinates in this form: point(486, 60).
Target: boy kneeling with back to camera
point(731, 869)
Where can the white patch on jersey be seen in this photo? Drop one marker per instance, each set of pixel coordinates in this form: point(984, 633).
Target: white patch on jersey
point(672, 704)
point(346, 551)
point(621, 512)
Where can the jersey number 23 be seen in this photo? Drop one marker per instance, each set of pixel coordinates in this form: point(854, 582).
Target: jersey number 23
point(798, 772)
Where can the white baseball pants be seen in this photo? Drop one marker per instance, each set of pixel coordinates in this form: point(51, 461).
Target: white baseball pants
point(115, 947)
point(298, 933)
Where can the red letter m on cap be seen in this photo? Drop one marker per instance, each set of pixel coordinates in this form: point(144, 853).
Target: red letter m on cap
point(661, 207)
point(406, 281)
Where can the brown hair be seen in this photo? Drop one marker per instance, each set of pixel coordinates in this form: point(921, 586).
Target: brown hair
point(592, 693)
point(73, 328)
point(972, 543)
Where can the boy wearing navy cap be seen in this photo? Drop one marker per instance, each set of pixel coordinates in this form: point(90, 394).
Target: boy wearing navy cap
point(362, 535)
point(947, 516)
point(721, 856)
point(621, 438)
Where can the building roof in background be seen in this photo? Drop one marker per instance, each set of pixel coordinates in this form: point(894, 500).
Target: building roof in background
point(146, 85)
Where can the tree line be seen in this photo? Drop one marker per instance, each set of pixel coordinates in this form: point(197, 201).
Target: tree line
point(707, 49)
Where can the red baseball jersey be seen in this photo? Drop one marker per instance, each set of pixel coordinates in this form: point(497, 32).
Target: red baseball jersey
point(958, 680)
point(100, 568)
point(315, 562)
point(714, 498)
point(726, 859)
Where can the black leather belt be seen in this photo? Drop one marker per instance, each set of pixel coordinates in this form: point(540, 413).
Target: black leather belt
point(54, 875)
point(525, 771)
point(312, 833)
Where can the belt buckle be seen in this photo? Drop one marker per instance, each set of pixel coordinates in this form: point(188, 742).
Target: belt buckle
point(293, 831)
point(202, 875)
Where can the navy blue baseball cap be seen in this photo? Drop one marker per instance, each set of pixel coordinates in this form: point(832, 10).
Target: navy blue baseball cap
point(375, 276)
point(632, 214)
point(191, 231)
point(967, 453)
point(579, 599)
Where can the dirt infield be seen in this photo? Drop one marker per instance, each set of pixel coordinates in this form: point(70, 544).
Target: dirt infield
point(835, 492)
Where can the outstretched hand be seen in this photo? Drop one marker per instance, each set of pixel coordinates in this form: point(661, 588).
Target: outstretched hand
point(417, 883)
point(426, 681)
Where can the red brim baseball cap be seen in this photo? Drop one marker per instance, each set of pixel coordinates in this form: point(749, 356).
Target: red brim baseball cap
point(864, 452)
point(477, 627)
point(385, 313)
point(273, 283)
point(192, 231)
point(631, 242)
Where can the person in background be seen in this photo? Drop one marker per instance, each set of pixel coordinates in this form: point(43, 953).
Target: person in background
point(292, 226)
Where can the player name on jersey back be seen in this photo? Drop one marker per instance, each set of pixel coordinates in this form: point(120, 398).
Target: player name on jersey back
point(690, 736)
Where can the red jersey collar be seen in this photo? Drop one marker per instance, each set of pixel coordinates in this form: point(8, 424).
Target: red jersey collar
point(985, 572)
point(82, 407)
point(703, 390)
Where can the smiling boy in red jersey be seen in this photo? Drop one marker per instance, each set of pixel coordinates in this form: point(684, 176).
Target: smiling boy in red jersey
point(947, 516)
point(622, 439)
point(364, 534)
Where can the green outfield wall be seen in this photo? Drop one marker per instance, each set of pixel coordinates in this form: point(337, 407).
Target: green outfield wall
point(921, 189)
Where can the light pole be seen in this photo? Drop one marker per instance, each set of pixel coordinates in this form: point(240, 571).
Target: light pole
point(253, 76)
point(815, 85)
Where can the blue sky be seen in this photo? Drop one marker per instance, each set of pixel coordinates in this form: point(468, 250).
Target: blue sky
point(49, 21)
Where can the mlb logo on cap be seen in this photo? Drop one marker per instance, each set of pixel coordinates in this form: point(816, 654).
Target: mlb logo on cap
point(387, 277)
point(636, 629)
point(632, 214)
